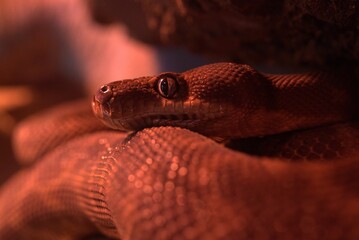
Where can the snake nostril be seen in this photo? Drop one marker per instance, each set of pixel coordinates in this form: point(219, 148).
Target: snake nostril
point(103, 94)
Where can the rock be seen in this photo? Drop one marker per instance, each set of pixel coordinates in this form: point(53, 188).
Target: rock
point(278, 32)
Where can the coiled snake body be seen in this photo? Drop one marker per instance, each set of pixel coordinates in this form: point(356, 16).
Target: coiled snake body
point(168, 182)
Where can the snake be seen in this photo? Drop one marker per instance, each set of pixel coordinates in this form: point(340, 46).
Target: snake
point(221, 151)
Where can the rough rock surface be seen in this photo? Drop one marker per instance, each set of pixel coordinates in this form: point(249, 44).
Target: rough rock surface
point(278, 32)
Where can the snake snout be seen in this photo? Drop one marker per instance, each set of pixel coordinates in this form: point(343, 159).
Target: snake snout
point(101, 101)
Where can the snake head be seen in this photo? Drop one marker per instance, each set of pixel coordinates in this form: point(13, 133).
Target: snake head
point(205, 99)
point(133, 104)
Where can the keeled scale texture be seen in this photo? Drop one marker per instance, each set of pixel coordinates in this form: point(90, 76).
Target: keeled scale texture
point(150, 188)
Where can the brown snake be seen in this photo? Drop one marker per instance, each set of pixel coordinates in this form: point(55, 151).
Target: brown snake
point(172, 183)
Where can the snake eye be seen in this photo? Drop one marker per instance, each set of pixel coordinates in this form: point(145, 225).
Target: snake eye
point(167, 86)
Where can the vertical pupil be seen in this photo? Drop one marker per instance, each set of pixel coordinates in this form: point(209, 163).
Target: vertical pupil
point(164, 86)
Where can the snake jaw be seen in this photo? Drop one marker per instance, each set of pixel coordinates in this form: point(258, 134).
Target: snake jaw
point(130, 115)
point(187, 114)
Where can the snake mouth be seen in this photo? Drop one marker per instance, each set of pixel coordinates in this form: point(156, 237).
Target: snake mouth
point(101, 110)
point(186, 120)
point(125, 115)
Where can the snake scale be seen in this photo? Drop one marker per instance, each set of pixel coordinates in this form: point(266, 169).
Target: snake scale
point(295, 176)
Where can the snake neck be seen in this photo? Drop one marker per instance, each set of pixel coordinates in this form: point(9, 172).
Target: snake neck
point(299, 101)
point(274, 104)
